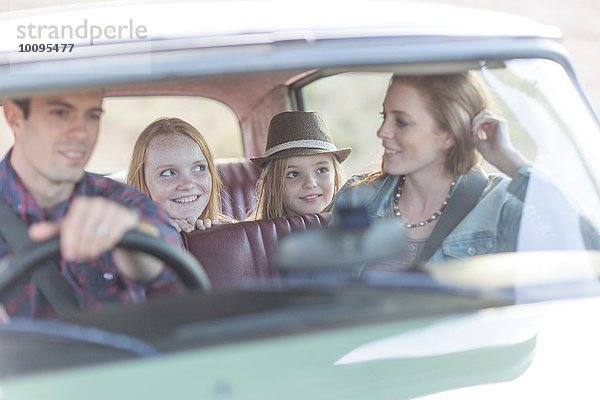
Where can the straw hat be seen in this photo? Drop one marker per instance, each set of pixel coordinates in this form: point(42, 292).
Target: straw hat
point(299, 133)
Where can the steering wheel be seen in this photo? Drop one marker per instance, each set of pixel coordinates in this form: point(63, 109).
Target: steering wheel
point(185, 266)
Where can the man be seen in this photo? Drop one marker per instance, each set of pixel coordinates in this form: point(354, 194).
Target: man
point(42, 179)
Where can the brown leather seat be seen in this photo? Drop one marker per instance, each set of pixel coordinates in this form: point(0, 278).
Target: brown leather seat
point(239, 176)
point(234, 253)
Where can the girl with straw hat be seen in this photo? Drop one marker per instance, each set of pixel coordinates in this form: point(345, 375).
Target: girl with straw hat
point(301, 167)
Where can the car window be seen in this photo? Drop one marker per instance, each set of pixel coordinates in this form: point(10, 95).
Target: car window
point(547, 113)
point(350, 104)
point(539, 98)
point(125, 117)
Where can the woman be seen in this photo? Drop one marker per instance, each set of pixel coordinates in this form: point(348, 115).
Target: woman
point(301, 168)
point(431, 131)
point(172, 163)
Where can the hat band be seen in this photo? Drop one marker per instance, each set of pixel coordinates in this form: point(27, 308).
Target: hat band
point(311, 144)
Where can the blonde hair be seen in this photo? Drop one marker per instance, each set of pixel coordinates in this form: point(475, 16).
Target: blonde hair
point(453, 100)
point(270, 189)
point(172, 126)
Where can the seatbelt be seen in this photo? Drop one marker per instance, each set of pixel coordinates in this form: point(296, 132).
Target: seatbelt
point(463, 200)
point(47, 278)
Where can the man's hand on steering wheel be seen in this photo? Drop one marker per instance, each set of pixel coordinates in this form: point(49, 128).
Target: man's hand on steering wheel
point(94, 225)
point(185, 266)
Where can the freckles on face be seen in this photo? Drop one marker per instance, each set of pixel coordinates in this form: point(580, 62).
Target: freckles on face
point(177, 175)
point(309, 184)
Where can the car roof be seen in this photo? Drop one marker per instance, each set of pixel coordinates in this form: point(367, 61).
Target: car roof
point(281, 20)
point(208, 38)
point(244, 22)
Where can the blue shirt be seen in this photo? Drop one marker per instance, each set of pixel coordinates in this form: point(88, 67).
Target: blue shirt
point(492, 226)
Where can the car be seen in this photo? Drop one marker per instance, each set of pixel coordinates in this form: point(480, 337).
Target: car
point(280, 321)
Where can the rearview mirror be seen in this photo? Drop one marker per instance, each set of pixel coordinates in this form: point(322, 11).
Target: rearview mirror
point(349, 244)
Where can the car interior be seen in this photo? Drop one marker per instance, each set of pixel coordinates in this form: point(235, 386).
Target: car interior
point(239, 259)
point(247, 102)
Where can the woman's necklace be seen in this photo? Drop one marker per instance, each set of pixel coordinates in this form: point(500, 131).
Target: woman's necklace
point(435, 215)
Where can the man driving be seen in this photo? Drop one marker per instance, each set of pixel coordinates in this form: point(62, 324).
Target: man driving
point(42, 179)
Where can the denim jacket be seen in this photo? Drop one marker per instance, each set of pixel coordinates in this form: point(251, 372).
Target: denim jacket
point(492, 226)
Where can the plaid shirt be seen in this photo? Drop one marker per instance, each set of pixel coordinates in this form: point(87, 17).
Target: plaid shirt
point(96, 281)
